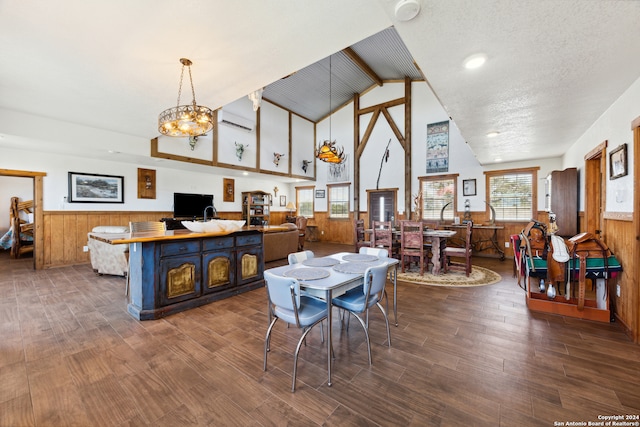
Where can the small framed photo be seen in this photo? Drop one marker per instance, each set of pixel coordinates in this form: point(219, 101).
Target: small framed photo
point(228, 190)
point(319, 194)
point(94, 188)
point(618, 162)
point(469, 187)
point(283, 200)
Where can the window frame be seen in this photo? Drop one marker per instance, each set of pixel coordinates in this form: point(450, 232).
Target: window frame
point(517, 171)
point(431, 178)
point(311, 189)
point(330, 187)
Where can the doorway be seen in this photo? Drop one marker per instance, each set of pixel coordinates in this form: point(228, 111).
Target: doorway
point(38, 230)
point(382, 205)
point(595, 188)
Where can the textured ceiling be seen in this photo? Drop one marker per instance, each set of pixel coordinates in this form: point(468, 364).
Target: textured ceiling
point(553, 66)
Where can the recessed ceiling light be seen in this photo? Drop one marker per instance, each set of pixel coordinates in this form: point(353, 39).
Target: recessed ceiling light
point(497, 160)
point(245, 173)
point(475, 61)
point(493, 134)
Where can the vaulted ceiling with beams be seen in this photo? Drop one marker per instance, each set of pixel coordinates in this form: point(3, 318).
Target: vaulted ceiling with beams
point(553, 67)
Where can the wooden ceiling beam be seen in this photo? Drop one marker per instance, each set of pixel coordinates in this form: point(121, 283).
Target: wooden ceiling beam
point(351, 54)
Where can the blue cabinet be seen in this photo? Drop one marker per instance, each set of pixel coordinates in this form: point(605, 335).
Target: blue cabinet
point(179, 274)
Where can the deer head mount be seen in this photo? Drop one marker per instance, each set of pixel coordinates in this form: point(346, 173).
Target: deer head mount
point(240, 150)
point(276, 158)
point(305, 165)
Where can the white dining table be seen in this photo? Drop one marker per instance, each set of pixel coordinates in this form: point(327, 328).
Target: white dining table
point(337, 283)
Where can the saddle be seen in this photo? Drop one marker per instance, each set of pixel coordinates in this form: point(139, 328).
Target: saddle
point(583, 246)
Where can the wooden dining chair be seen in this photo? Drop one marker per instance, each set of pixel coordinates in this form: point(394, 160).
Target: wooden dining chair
point(412, 244)
point(301, 223)
point(464, 252)
point(382, 237)
point(358, 231)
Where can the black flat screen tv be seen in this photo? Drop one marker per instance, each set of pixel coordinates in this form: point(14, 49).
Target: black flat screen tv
point(186, 205)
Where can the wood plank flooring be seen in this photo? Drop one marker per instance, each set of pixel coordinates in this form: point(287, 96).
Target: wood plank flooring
point(70, 355)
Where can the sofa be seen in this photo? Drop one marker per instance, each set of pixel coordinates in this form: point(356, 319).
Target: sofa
point(278, 244)
point(107, 258)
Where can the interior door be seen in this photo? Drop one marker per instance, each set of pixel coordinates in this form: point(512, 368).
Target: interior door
point(595, 180)
point(382, 206)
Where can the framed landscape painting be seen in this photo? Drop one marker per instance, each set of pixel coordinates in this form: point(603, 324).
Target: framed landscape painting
point(94, 188)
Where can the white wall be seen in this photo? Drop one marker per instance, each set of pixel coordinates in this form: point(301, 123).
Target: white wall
point(171, 176)
point(614, 126)
point(426, 109)
point(168, 181)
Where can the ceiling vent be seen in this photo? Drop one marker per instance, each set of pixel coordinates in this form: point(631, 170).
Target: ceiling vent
point(237, 122)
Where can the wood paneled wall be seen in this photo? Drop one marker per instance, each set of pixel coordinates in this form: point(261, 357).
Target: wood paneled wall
point(621, 239)
point(65, 232)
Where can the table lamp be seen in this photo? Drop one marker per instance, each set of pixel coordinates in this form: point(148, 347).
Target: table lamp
point(291, 208)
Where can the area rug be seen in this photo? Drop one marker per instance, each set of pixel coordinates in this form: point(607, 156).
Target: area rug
point(479, 277)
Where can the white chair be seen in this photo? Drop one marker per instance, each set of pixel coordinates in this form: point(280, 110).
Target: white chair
point(287, 303)
point(298, 257)
point(379, 252)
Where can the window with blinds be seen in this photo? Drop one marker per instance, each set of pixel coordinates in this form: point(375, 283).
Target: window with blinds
point(436, 194)
point(304, 196)
point(338, 201)
point(511, 195)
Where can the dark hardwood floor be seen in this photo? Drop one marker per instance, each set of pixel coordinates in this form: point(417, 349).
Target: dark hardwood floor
point(71, 355)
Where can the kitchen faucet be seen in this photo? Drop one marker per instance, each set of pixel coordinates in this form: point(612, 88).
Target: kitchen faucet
point(213, 210)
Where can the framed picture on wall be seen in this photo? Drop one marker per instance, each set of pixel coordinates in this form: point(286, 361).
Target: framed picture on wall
point(94, 188)
point(319, 194)
point(228, 190)
point(618, 162)
point(469, 187)
point(146, 183)
point(283, 200)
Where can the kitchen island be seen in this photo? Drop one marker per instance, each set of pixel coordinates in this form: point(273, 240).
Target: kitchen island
point(177, 270)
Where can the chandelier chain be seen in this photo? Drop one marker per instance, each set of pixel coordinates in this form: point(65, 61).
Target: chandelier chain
point(330, 73)
point(180, 87)
point(193, 91)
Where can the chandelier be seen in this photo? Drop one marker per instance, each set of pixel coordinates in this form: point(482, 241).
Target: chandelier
point(186, 120)
point(327, 151)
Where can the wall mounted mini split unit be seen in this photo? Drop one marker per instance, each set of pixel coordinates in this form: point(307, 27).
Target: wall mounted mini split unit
point(226, 118)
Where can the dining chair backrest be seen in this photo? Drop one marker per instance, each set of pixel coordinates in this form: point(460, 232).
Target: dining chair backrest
point(412, 244)
point(411, 235)
point(358, 229)
point(301, 223)
point(298, 257)
point(382, 234)
point(284, 292)
point(379, 252)
point(147, 226)
point(375, 279)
